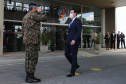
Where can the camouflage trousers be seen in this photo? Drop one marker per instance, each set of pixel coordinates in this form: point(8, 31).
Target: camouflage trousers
point(31, 58)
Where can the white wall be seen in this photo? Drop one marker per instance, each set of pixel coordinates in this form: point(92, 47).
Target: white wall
point(121, 19)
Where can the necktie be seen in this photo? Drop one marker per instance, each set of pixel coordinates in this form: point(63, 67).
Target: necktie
point(70, 23)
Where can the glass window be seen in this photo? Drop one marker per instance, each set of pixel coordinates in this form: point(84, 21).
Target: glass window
point(42, 7)
point(91, 16)
point(88, 18)
point(19, 6)
point(4, 2)
point(26, 7)
point(10, 5)
point(46, 8)
point(17, 27)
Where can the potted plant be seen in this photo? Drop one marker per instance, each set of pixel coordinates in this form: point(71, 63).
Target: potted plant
point(44, 40)
point(99, 40)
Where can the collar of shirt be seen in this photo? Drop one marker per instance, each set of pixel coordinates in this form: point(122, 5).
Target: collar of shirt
point(74, 19)
point(113, 34)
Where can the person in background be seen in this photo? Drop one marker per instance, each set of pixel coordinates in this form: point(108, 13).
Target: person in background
point(19, 40)
point(118, 39)
point(52, 38)
point(65, 36)
point(113, 37)
point(107, 37)
point(84, 39)
point(122, 40)
point(60, 39)
point(94, 35)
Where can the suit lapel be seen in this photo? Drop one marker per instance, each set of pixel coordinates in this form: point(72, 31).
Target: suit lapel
point(72, 23)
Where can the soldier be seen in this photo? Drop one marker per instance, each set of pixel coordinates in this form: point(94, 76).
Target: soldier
point(52, 38)
point(65, 36)
point(60, 39)
point(31, 39)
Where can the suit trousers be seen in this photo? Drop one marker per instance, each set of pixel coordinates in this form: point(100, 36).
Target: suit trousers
point(31, 58)
point(112, 43)
point(123, 42)
point(71, 55)
point(118, 43)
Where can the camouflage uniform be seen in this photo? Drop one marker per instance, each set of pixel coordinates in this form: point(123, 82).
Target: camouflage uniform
point(60, 40)
point(52, 38)
point(31, 39)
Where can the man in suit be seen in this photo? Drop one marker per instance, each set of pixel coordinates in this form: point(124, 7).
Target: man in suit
point(74, 32)
point(122, 39)
point(118, 39)
point(113, 37)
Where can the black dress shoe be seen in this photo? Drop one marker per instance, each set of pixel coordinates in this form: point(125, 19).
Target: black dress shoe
point(70, 75)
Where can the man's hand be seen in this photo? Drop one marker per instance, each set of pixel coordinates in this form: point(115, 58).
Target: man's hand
point(73, 42)
point(39, 10)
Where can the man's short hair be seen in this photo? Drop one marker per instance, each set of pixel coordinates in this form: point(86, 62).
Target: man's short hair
point(32, 5)
point(75, 11)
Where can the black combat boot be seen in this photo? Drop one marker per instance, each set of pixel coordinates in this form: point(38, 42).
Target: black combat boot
point(27, 76)
point(33, 79)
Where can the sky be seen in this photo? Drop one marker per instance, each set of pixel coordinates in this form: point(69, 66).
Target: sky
point(121, 19)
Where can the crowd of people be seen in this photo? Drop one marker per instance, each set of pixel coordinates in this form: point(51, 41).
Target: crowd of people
point(120, 40)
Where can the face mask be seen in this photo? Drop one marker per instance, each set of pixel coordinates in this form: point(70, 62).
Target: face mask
point(71, 15)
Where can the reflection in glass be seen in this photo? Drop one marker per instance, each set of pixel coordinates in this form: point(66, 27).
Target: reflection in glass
point(91, 16)
point(18, 4)
point(10, 4)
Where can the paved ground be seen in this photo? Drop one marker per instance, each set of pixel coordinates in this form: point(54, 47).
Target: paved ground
point(53, 67)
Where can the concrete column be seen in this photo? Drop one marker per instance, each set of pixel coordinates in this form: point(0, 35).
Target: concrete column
point(103, 25)
point(1, 26)
point(110, 22)
point(109, 19)
point(116, 28)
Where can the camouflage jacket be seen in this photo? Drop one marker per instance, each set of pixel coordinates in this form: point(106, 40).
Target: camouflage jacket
point(52, 35)
point(31, 28)
point(60, 36)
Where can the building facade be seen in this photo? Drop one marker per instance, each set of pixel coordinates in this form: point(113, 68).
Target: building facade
point(94, 17)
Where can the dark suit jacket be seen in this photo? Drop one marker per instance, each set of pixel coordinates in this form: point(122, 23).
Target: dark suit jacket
point(74, 32)
point(118, 36)
point(113, 37)
point(65, 36)
point(122, 36)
